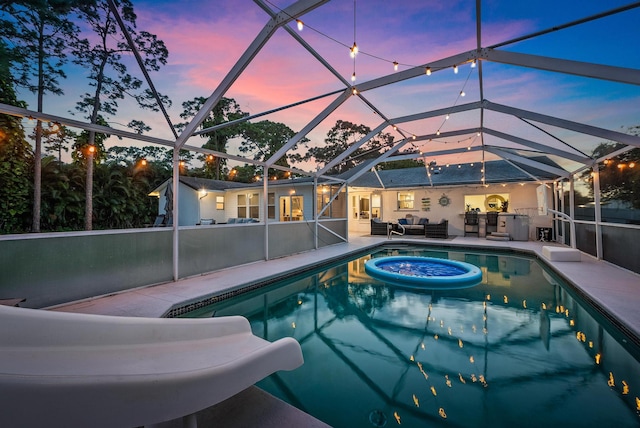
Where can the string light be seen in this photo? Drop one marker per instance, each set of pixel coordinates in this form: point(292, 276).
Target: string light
point(395, 65)
point(300, 24)
point(428, 71)
point(473, 64)
point(354, 50)
point(353, 77)
point(455, 69)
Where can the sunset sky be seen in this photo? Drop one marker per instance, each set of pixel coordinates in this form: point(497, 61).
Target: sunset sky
point(206, 38)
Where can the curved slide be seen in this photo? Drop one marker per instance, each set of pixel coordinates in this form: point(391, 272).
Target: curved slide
point(65, 370)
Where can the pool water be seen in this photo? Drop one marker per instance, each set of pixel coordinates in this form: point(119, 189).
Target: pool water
point(517, 350)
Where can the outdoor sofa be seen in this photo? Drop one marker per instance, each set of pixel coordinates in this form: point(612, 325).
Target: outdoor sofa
point(379, 227)
point(437, 230)
point(413, 225)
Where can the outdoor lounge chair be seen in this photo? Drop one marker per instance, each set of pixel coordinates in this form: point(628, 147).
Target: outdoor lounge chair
point(437, 230)
point(67, 369)
point(379, 227)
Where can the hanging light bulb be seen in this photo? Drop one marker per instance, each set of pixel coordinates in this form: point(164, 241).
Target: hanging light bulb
point(462, 94)
point(353, 77)
point(473, 64)
point(413, 136)
point(300, 24)
point(428, 71)
point(395, 65)
point(354, 91)
point(446, 117)
point(354, 50)
point(455, 69)
point(438, 132)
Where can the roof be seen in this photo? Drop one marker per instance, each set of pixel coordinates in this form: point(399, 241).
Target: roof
point(460, 174)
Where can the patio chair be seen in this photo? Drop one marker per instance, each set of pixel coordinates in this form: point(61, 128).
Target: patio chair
point(437, 230)
point(379, 227)
point(471, 223)
point(492, 222)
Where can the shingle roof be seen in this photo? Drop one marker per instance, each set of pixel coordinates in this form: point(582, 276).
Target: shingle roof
point(499, 171)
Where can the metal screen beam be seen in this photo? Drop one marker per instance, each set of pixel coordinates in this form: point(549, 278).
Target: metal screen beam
point(290, 13)
point(631, 140)
point(576, 68)
point(540, 147)
point(526, 161)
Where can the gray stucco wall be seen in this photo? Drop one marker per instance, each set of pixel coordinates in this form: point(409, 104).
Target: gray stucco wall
point(50, 269)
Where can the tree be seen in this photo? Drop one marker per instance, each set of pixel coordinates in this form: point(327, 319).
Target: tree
point(40, 32)
point(57, 139)
point(62, 195)
point(339, 139)
point(263, 139)
point(108, 73)
point(226, 110)
point(619, 176)
point(16, 159)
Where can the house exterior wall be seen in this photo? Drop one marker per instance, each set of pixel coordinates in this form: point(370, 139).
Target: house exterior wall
point(208, 207)
point(522, 199)
point(306, 191)
point(187, 204)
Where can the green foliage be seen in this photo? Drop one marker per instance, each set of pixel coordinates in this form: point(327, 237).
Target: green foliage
point(16, 161)
point(107, 71)
point(619, 175)
point(263, 139)
point(62, 195)
point(340, 138)
point(226, 110)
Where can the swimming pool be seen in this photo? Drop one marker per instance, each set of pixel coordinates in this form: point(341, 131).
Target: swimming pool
point(519, 349)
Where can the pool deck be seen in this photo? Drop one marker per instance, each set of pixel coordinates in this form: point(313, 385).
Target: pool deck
point(614, 289)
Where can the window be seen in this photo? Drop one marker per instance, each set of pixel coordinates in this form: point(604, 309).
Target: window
point(220, 202)
point(271, 205)
point(375, 206)
point(254, 205)
point(405, 200)
point(335, 209)
point(291, 208)
point(248, 206)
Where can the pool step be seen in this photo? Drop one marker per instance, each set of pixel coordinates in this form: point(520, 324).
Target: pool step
point(498, 236)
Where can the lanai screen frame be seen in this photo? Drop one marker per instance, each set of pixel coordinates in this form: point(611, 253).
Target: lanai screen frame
point(281, 19)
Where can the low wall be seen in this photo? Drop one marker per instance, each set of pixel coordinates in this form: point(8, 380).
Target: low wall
point(54, 268)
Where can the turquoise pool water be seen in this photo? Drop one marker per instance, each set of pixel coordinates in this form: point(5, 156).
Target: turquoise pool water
point(517, 350)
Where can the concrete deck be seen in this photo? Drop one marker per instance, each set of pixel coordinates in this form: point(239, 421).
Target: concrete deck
point(614, 289)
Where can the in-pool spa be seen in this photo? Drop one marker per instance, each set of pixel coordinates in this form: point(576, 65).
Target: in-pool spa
point(520, 349)
point(423, 273)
